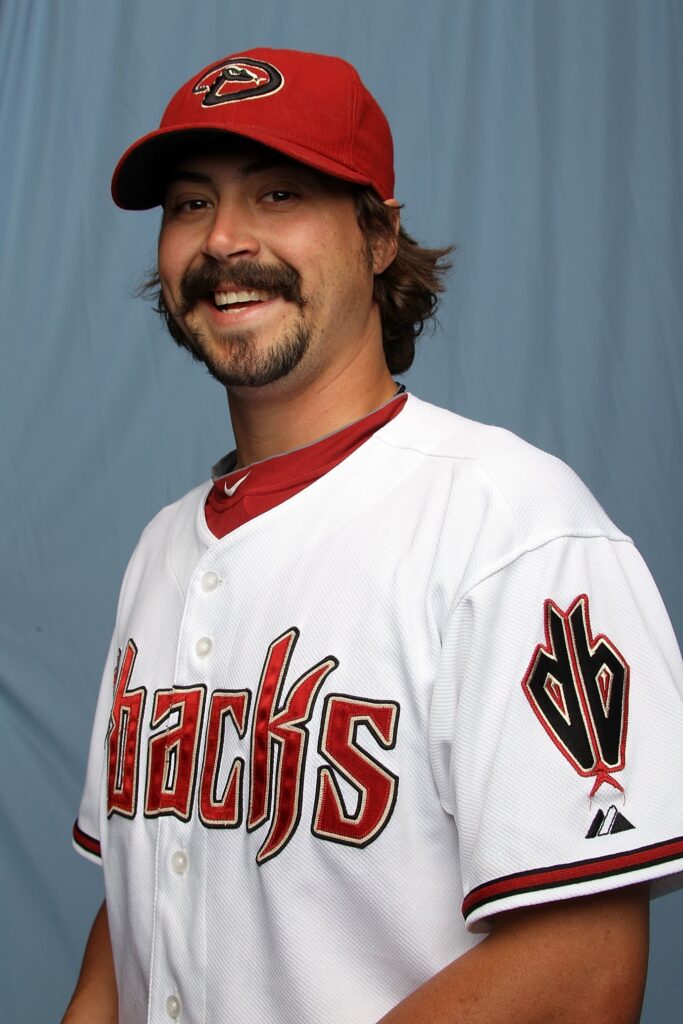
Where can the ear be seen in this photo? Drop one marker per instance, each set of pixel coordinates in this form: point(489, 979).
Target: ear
point(384, 246)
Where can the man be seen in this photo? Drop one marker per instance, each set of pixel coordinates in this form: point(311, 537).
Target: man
point(382, 727)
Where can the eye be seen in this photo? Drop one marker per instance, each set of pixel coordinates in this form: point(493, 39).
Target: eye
point(190, 205)
point(185, 206)
point(279, 195)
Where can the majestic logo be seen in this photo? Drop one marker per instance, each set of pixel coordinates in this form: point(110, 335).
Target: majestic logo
point(605, 824)
point(189, 773)
point(242, 78)
point(578, 687)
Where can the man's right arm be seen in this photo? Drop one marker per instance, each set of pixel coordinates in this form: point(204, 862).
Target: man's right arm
point(95, 1000)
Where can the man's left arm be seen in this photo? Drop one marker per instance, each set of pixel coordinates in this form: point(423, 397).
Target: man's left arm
point(577, 960)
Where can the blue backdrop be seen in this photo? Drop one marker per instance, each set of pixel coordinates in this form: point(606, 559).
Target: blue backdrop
point(544, 138)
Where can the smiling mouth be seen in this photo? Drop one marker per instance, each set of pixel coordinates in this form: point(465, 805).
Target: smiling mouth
point(246, 285)
point(228, 301)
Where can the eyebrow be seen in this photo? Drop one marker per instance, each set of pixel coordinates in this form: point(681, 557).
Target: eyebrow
point(264, 163)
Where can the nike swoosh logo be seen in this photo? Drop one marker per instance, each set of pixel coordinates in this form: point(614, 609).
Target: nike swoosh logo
point(231, 490)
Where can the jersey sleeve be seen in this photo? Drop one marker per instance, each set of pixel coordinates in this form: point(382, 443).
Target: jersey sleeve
point(150, 553)
point(558, 729)
point(86, 830)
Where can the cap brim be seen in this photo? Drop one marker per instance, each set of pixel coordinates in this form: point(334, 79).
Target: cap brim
point(141, 175)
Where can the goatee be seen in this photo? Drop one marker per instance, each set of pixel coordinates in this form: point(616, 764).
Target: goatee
point(245, 366)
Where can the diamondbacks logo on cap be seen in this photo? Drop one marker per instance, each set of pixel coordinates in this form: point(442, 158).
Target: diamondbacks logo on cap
point(240, 78)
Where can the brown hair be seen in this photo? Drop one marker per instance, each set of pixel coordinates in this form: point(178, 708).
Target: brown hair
point(407, 292)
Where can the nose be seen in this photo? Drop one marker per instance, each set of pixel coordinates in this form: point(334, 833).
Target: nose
point(231, 233)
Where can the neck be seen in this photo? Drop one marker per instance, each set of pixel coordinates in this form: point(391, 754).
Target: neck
point(281, 417)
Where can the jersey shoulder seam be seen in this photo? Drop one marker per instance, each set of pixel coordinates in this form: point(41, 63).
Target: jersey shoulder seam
point(453, 457)
point(509, 561)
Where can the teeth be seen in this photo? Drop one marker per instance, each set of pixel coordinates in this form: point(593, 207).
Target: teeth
point(230, 298)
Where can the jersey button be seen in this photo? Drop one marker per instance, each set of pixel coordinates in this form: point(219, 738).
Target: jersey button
point(210, 581)
point(180, 862)
point(203, 646)
point(174, 1007)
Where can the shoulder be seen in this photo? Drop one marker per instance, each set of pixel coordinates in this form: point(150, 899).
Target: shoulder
point(535, 491)
point(180, 514)
point(175, 534)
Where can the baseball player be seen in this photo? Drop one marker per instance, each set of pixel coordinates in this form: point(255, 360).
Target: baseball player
point(390, 726)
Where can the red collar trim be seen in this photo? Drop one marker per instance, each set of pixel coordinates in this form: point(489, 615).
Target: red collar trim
point(263, 485)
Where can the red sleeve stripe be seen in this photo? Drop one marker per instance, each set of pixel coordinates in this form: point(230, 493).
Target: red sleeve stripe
point(85, 841)
point(567, 874)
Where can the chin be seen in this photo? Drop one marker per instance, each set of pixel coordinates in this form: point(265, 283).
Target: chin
point(248, 366)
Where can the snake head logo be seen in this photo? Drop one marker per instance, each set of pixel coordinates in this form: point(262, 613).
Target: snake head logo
point(240, 78)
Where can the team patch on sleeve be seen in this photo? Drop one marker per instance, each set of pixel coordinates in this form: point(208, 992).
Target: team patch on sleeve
point(577, 684)
point(578, 687)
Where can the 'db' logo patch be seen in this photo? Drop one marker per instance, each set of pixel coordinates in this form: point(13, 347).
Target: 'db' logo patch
point(241, 78)
point(578, 686)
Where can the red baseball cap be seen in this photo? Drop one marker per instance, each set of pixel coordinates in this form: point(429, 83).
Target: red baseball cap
point(311, 107)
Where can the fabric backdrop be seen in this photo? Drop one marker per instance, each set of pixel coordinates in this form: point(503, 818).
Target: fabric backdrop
point(544, 138)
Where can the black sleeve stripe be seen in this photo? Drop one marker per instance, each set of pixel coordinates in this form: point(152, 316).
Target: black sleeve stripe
point(85, 841)
point(568, 874)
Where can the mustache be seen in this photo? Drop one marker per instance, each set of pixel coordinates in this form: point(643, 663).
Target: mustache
point(202, 282)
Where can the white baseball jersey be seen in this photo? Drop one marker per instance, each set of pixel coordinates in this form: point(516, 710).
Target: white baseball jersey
point(436, 684)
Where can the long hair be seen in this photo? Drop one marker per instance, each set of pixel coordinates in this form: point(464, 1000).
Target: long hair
point(407, 292)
